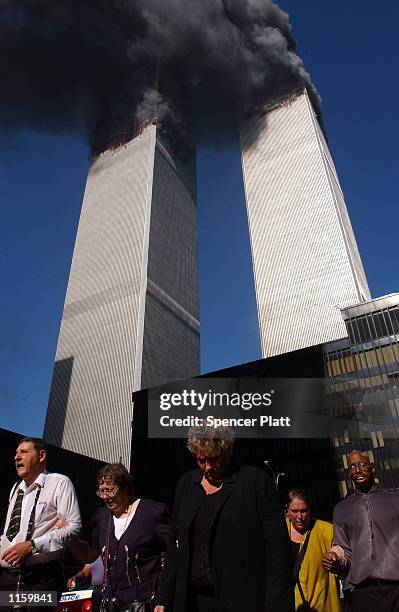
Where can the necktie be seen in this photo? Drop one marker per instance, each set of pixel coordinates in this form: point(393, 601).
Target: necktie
point(31, 524)
point(15, 519)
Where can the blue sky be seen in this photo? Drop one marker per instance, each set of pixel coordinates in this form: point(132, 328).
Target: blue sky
point(351, 53)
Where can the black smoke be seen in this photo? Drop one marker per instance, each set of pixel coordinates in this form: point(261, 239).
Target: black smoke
point(110, 67)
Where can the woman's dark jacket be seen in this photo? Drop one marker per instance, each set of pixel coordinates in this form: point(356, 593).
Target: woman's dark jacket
point(249, 547)
point(134, 559)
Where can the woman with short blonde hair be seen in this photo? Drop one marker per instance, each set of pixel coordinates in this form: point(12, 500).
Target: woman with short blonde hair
point(228, 548)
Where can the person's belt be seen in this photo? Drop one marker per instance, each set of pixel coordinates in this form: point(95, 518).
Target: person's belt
point(377, 582)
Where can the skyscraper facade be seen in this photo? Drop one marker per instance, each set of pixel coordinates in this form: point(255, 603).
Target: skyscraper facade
point(363, 371)
point(305, 258)
point(131, 314)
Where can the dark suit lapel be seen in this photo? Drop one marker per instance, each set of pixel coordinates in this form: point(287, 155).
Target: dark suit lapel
point(198, 493)
point(221, 498)
point(193, 504)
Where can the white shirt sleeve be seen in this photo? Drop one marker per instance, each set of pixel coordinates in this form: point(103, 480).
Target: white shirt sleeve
point(68, 522)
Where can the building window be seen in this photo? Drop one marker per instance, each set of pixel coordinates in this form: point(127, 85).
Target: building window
point(392, 405)
point(373, 326)
point(387, 354)
point(364, 331)
point(380, 439)
point(383, 327)
point(393, 314)
point(352, 331)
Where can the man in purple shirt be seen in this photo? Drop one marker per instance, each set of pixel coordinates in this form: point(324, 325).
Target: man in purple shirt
point(366, 530)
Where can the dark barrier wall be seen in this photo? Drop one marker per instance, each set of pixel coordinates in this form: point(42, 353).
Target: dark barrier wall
point(309, 463)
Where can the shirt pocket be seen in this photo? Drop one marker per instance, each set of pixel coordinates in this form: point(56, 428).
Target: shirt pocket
point(40, 511)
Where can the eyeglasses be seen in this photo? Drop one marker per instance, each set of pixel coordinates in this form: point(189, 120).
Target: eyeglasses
point(108, 492)
point(362, 465)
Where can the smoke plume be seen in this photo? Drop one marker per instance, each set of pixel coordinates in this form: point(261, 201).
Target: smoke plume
point(112, 66)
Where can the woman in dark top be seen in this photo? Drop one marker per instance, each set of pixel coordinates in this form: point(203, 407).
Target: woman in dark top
point(129, 535)
point(228, 548)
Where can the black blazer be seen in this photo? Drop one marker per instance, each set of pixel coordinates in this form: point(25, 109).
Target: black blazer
point(249, 548)
point(134, 559)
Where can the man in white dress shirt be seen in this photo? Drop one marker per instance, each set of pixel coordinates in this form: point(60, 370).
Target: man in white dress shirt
point(43, 516)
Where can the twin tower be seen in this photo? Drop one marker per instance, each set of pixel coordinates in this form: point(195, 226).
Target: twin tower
point(131, 313)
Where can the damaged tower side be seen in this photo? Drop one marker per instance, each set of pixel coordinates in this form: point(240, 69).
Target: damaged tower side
point(305, 258)
point(131, 314)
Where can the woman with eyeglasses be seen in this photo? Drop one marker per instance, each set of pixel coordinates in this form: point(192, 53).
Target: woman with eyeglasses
point(129, 534)
point(315, 589)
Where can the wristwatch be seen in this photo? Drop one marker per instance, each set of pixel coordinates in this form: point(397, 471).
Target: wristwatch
point(34, 549)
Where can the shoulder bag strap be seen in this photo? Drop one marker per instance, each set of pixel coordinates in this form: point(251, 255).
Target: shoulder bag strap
point(157, 577)
point(105, 558)
point(298, 562)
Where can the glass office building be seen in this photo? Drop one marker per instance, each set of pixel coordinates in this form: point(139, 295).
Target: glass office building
point(364, 375)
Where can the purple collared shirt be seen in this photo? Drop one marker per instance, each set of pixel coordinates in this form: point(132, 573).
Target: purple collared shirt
point(366, 526)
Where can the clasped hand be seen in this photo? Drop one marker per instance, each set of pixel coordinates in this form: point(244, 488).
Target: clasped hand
point(15, 554)
point(330, 561)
